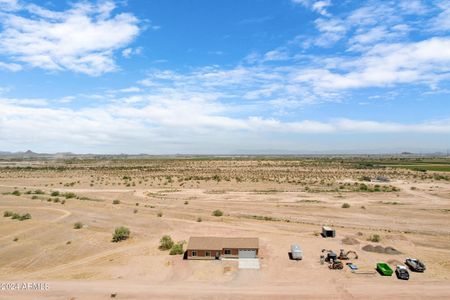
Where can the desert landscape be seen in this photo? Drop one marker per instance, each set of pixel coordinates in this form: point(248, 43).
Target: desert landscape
point(386, 209)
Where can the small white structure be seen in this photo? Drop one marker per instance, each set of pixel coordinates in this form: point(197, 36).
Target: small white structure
point(296, 252)
point(328, 232)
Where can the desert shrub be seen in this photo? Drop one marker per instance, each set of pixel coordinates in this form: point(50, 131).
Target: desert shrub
point(78, 225)
point(137, 203)
point(121, 233)
point(135, 211)
point(363, 187)
point(56, 200)
point(69, 195)
point(54, 194)
point(15, 216)
point(166, 243)
point(24, 217)
point(16, 193)
point(345, 205)
point(177, 249)
point(15, 239)
point(116, 202)
point(39, 192)
point(8, 214)
point(217, 213)
point(365, 178)
point(199, 219)
point(374, 238)
point(34, 197)
point(160, 214)
point(186, 202)
point(62, 201)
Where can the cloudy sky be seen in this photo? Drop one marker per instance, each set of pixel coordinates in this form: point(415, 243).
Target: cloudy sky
point(247, 76)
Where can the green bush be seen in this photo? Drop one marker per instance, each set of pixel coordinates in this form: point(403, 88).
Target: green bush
point(69, 195)
point(8, 214)
point(15, 216)
point(345, 205)
point(24, 217)
point(78, 225)
point(121, 233)
point(166, 243)
point(177, 249)
point(374, 238)
point(55, 194)
point(217, 213)
point(16, 193)
point(39, 192)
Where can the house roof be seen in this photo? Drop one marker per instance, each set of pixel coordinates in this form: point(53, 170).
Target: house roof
point(219, 243)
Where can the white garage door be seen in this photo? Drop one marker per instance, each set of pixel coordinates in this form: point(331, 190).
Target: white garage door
point(247, 253)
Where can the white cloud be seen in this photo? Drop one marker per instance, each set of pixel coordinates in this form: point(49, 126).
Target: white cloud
point(318, 6)
point(442, 21)
point(10, 66)
point(81, 39)
point(8, 4)
point(128, 52)
point(332, 30)
point(168, 126)
point(424, 62)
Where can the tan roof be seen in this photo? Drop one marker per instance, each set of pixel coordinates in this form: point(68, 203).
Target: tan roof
point(219, 243)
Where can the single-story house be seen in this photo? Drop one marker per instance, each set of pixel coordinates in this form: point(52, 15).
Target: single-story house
point(210, 247)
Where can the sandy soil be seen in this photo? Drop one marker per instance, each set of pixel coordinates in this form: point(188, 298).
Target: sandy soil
point(85, 264)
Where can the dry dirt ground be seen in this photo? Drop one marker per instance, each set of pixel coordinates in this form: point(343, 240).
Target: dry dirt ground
point(156, 201)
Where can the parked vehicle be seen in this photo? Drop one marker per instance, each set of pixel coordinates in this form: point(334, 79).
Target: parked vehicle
point(384, 269)
point(415, 265)
point(296, 252)
point(402, 272)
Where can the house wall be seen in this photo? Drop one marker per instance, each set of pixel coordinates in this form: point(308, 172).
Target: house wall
point(201, 253)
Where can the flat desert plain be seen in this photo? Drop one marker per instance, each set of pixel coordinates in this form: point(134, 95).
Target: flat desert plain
point(279, 200)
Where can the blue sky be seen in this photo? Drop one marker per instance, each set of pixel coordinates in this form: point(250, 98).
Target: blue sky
point(166, 77)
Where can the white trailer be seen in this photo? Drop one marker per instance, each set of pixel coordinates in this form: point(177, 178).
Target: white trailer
point(296, 252)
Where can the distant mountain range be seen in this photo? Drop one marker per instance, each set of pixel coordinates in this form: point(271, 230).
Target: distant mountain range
point(246, 153)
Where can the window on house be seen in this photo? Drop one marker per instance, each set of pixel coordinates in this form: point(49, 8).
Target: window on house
point(194, 253)
point(208, 253)
point(227, 251)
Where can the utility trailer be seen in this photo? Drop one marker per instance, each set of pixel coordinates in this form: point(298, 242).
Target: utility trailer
point(384, 269)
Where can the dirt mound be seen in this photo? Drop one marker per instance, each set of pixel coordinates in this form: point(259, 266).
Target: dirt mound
point(394, 262)
point(390, 250)
point(381, 249)
point(350, 241)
